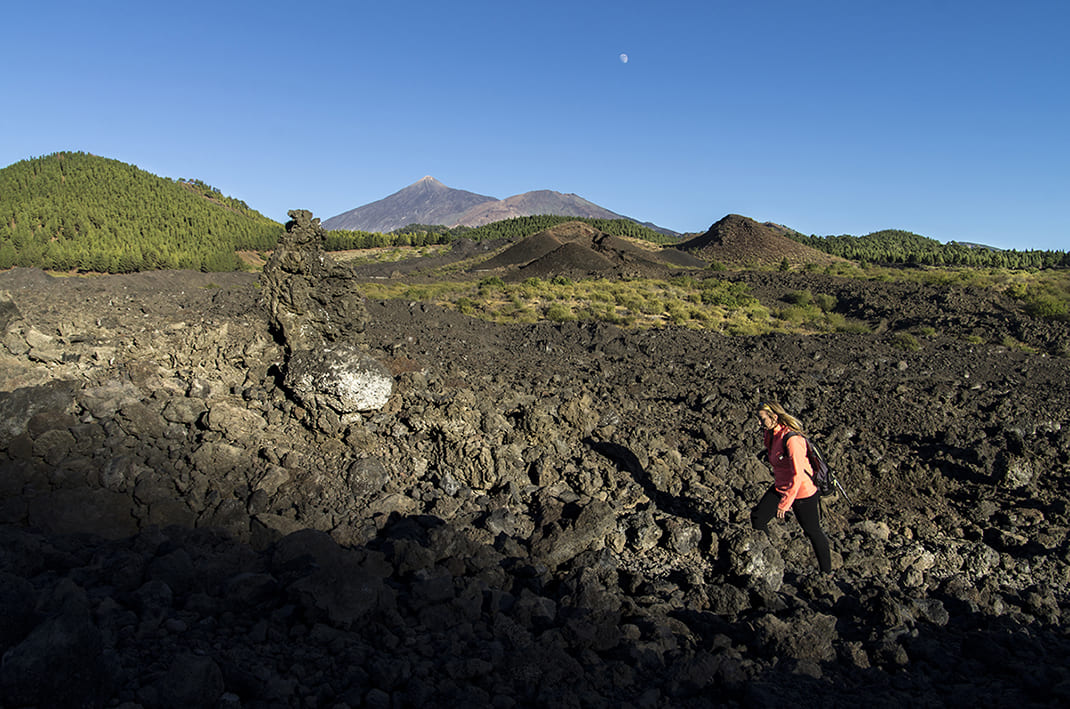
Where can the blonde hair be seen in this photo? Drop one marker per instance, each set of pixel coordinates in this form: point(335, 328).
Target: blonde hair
point(782, 416)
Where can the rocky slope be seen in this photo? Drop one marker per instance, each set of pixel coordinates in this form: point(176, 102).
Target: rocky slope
point(549, 514)
point(532, 203)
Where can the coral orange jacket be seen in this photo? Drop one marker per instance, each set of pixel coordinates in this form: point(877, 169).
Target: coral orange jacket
point(791, 472)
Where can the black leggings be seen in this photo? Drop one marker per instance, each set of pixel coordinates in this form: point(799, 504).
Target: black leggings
point(807, 511)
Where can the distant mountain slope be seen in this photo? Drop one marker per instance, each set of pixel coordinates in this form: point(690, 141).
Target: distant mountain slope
point(75, 211)
point(431, 202)
point(531, 203)
point(740, 241)
point(427, 201)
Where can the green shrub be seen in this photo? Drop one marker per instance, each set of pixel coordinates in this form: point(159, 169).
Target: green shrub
point(1014, 344)
point(792, 314)
point(604, 312)
point(559, 312)
point(651, 305)
point(730, 295)
point(925, 331)
point(683, 282)
point(905, 341)
point(854, 327)
point(677, 312)
point(799, 297)
point(826, 302)
point(1047, 306)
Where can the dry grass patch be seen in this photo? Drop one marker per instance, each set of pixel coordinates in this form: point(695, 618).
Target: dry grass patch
point(704, 304)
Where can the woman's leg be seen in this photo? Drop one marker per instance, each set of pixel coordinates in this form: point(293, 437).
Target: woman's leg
point(808, 512)
point(765, 510)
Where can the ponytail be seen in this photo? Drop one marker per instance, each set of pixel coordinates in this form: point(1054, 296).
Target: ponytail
point(782, 416)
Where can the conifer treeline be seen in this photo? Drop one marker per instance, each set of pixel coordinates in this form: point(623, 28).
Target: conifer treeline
point(525, 226)
point(75, 211)
point(893, 246)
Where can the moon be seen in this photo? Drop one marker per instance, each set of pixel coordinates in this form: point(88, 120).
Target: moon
point(623, 58)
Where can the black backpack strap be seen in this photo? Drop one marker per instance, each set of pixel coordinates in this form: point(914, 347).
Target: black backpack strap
point(788, 435)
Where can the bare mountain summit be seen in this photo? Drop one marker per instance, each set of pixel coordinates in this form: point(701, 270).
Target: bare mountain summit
point(431, 202)
point(427, 201)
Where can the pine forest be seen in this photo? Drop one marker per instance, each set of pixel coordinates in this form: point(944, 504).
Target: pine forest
point(75, 211)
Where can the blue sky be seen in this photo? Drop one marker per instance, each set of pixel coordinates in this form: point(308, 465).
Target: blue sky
point(948, 119)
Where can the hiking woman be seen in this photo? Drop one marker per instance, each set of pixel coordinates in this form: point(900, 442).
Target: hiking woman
point(793, 489)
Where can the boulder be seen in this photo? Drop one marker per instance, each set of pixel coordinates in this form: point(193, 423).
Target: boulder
point(340, 377)
point(19, 407)
point(568, 540)
point(754, 558)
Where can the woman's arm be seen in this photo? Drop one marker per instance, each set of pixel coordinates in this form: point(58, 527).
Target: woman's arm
point(800, 465)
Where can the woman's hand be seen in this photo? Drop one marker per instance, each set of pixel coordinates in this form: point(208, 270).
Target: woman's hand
point(780, 513)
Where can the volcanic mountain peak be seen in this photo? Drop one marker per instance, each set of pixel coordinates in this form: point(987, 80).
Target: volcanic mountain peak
point(428, 201)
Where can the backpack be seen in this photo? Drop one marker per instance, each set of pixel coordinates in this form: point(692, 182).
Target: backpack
point(826, 482)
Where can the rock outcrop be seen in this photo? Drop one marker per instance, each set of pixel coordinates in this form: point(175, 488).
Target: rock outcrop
point(311, 300)
point(318, 312)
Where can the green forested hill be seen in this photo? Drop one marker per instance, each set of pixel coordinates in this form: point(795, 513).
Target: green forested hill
point(77, 211)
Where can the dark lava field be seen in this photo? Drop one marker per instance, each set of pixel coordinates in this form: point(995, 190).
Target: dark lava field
point(554, 514)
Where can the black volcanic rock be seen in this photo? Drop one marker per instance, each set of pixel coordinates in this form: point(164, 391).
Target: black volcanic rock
point(307, 294)
point(320, 317)
point(545, 514)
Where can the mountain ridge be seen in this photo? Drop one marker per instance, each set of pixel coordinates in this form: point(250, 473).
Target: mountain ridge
point(428, 201)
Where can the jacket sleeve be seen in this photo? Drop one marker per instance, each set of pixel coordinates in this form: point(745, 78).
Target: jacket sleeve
point(800, 465)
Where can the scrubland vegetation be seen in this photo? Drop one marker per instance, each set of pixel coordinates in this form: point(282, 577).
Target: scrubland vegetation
point(687, 301)
point(1045, 293)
